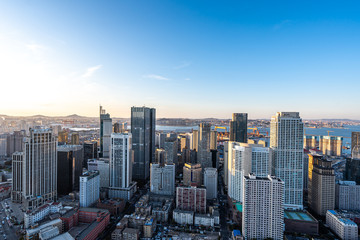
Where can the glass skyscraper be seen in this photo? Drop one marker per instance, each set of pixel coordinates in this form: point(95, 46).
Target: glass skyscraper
point(238, 127)
point(143, 140)
point(105, 133)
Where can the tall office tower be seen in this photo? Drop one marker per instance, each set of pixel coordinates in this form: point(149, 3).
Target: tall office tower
point(210, 182)
point(215, 158)
point(75, 139)
point(14, 142)
point(347, 195)
point(160, 139)
point(121, 159)
point(171, 147)
point(310, 142)
point(352, 170)
point(226, 169)
point(105, 133)
point(90, 151)
point(63, 137)
point(238, 127)
point(69, 168)
point(143, 134)
point(191, 199)
point(39, 168)
point(244, 158)
point(116, 128)
point(192, 174)
point(312, 160)
point(286, 138)
point(204, 155)
point(322, 186)
point(160, 156)
point(89, 188)
point(17, 180)
point(3, 148)
point(331, 145)
point(213, 140)
point(162, 179)
point(263, 210)
point(306, 170)
point(355, 145)
point(195, 140)
point(102, 165)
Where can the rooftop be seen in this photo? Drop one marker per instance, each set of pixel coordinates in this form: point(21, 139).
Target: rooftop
point(299, 215)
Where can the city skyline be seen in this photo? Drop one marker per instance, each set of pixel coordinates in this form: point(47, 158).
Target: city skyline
point(262, 58)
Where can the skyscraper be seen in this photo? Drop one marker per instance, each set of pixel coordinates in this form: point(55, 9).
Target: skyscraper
point(238, 127)
point(102, 165)
point(17, 176)
point(89, 188)
point(213, 140)
point(331, 145)
point(286, 138)
point(39, 168)
point(355, 145)
point(191, 199)
point(162, 179)
point(14, 142)
point(143, 140)
point(352, 170)
point(211, 182)
point(263, 212)
point(121, 159)
point(90, 151)
point(171, 147)
point(204, 155)
point(105, 133)
point(192, 174)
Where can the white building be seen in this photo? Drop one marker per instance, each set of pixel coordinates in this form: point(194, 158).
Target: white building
point(89, 188)
point(211, 182)
point(263, 207)
point(342, 225)
point(30, 218)
point(286, 138)
point(121, 159)
point(162, 179)
point(17, 168)
point(242, 159)
point(102, 165)
point(183, 217)
point(347, 195)
point(204, 220)
point(105, 133)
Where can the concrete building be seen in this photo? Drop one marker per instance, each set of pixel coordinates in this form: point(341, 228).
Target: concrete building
point(75, 139)
point(17, 177)
point(211, 182)
point(352, 170)
point(160, 139)
point(149, 227)
point(286, 139)
point(105, 133)
point(331, 145)
point(162, 179)
point(300, 222)
point(238, 127)
point(204, 155)
point(341, 223)
point(347, 195)
point(183, 217)
point(103, 166)
point(191, 199)
point(263, 208)
point(38, 214)
point(89, 188)
point(213, 140)
point(170, 147)
point(195, 140)
point(355, 145)
point(69, 168)
point(14, 142)
point(143, 141)
point(310, 142)
point(192, 174)
point(322, 186)
point(39, 172)
point(131, 234)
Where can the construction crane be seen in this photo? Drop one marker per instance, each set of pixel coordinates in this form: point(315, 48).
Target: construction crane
point(218, 127)
point(255, 131)
point(329, 132)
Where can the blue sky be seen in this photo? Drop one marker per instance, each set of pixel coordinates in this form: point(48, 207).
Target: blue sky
point(185, 58)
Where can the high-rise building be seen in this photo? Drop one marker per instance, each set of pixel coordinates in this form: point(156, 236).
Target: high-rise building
point(347, 195)
point(355, 145)
point(143, 139)
point(191, 199)
point(195, 140)
point(162, 179)
point(63, 137)
point(69, 168)
point(331, 145)
point(103, 167)
point(238, 127)
point(160, 140)
point(263, 210)
point(322, 186)
point(75, 139)
point(243, 159)
point(310, 142)
point(352, 170)
point(213, 140)
point(311, 162)
point(192, 174)
point(89, 188)
point(171, 147)
point(90, 151)
point(17, 176)
point(211, 182)
point(14, 142)
point(121, 160)
point(117, 128)
point(204, 155)
point(286, 138)
point(39, 173)
point(105, 133)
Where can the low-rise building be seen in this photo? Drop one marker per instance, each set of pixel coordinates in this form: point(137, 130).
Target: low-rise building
point(33, 233)
point(149, 227)
point(300, 222)
point(183, 217)
point(342, 225)
point(32, 217)
point(204, 220)
point(347, 195)
point(131, 234)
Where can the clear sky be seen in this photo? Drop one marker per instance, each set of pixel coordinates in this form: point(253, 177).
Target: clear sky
point(186, 58)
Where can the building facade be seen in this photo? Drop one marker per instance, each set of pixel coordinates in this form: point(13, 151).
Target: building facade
point(211, 182)
point(347, 195)
point(162, 179)
point(355, 144)
point(105, 133)
point(204, 155)
point(191, 199)
point(89, 188)
point(238, 127)
point(331, 145)
point(192, 174)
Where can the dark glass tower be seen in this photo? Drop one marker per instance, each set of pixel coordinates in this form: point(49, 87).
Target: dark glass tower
point(143, 141)
point(105, 133)
point(352, 170)
point(355, 144)
point(238, 127)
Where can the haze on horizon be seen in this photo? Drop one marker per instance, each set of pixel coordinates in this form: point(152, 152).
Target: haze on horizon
point(188, 59)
